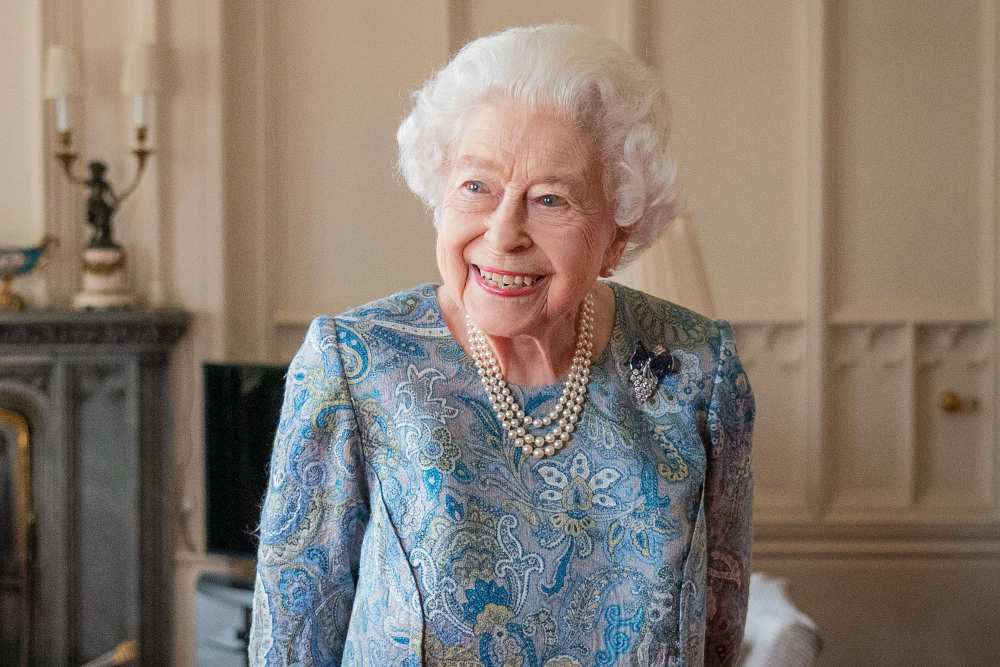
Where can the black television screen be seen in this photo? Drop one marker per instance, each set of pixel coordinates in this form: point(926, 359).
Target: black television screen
point(242, 409)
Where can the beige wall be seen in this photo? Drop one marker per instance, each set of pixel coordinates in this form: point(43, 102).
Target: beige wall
point(840, 167)
point(21, 192)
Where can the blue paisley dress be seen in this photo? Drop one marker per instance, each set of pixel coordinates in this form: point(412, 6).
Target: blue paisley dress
point(402, 527)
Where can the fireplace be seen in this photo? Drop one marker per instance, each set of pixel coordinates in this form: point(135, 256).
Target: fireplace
point(84, 455)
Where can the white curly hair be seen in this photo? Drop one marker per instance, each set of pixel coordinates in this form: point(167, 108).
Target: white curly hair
point(586, 78)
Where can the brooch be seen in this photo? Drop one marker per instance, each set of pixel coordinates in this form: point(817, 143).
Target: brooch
point(647, 369)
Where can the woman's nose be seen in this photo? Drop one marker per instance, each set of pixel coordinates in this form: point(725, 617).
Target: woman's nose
point(505, 229)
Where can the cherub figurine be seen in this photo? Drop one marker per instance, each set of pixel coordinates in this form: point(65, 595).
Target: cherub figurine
point(101, 206)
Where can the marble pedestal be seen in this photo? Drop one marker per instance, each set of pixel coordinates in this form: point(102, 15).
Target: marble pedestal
point(105, 281)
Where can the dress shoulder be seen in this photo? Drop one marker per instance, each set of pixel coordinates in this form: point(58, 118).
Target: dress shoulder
point(415, 306)
point(659, 321)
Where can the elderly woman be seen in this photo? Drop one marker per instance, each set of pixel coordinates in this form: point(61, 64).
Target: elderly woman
point(523, 465)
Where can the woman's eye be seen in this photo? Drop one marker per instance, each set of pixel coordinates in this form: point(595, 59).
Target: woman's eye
point(474, 186)
point(551, 200)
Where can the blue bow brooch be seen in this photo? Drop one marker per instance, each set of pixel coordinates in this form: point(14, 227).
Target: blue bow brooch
point(648, 368)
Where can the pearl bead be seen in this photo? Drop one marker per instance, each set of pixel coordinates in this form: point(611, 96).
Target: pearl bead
point(564, 437)
point(520, 431)
point(550, 450)
point(549, 438)
point(526, 449)
point(529, 438)
point(538, 453)
point(537, 423)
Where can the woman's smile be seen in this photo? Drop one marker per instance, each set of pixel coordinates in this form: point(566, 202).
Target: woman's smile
point(506, 283)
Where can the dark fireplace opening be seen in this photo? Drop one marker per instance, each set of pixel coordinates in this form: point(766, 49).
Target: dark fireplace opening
point(16, 543)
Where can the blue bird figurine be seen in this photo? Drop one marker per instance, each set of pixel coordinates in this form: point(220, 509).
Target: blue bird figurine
point(17, 262)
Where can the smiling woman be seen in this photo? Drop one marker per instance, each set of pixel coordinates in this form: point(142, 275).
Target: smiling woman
point(524, 199)
point(524, 464)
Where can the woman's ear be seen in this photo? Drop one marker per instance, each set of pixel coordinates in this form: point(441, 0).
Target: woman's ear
point(614, 253)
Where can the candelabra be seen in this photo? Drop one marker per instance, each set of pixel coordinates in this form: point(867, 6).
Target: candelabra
point(105, 281)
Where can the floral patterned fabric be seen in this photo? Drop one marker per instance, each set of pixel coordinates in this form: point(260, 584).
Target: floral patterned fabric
point(402, 527)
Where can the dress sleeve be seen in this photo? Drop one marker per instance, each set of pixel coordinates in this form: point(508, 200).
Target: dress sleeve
point(314, 514)
point(728, 496)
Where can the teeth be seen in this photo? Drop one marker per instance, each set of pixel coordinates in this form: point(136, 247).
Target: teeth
point(506, 281)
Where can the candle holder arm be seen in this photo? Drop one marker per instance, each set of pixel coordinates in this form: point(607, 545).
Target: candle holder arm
point(142, 156)
point(67, 156)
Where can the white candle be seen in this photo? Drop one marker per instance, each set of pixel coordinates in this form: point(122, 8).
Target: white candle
point(139, 111)
point(62, 114)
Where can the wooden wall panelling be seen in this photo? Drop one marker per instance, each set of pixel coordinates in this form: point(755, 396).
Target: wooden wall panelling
point(811, 114)
point(906, 173)
point(870, 447)
point(955, 450)
point(774, 357)
point(991, 207)
point(251, 227)
point(482, 17)
point(735, 78)
point(338, 85)
point(61, 25)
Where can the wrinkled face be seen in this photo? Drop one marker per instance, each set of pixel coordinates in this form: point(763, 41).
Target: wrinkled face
point(524, 227)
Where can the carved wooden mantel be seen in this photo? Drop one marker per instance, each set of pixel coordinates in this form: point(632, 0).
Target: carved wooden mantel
point(93, 389)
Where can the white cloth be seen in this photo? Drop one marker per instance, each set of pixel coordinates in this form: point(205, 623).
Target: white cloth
point(777, 633)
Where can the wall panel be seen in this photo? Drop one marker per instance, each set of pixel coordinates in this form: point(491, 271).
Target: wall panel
point(870, 446)
point(346, 229)
point(732, 72)
point(955, 450)
point(774, 358)
point(906, 133)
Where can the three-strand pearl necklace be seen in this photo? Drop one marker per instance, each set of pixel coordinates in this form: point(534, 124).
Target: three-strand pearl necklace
point(569, 406)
